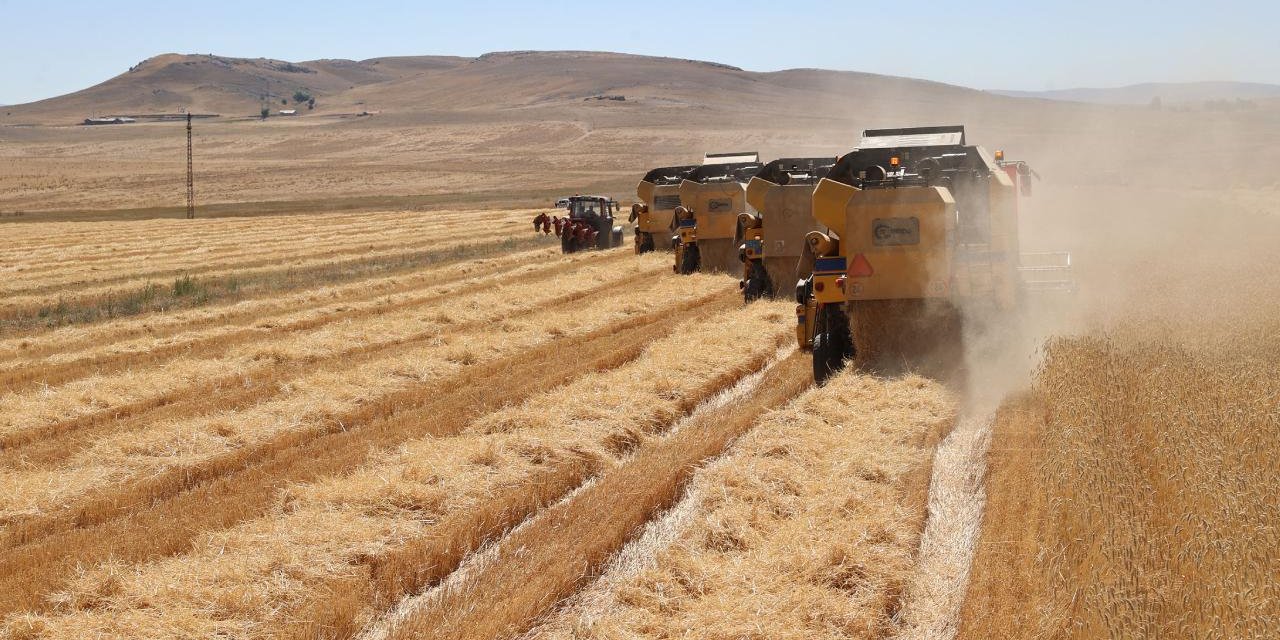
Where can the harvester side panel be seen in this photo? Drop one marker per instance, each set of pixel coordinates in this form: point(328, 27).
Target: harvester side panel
point(898, 243)
point(715, 206)
point(830, 199)
point(1005, 248)
point(787, 216)
point(986, 260)
point(662, 201)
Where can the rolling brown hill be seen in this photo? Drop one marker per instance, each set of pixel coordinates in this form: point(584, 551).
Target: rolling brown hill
point(241, 86)
point(216, 84)
point(524, 126)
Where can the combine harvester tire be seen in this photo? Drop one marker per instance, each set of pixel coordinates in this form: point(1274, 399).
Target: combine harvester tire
point(690, 260)
point(832, 345)
point(758, 285)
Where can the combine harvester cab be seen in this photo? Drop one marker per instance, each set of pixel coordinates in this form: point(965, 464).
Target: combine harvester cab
point(706, 223)
point(772, 240)
point(659, 194)
point(922, 232)
point(588, 225)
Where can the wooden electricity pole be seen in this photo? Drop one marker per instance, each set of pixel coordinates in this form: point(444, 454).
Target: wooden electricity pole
point(191, 178)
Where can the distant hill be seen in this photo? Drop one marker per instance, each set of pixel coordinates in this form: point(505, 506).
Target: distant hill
point(1167, 92)
point(508, 80)
point(217, 84)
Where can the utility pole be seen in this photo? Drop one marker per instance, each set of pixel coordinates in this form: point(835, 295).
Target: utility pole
point(191, 178)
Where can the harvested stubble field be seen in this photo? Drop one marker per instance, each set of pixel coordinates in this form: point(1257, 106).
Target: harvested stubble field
point(432, 434)
point(395, 426)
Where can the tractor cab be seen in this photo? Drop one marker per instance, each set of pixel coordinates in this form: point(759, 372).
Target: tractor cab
point(586, 207)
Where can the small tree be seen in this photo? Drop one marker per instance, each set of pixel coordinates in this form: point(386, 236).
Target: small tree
point(266, 111)
point(284, 101)
point(301, 96)
point(311, 104)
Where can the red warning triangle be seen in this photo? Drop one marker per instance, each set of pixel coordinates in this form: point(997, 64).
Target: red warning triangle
point(860, 267)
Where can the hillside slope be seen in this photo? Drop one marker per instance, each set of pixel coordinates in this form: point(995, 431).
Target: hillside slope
point(216, 84)
point(240, 86)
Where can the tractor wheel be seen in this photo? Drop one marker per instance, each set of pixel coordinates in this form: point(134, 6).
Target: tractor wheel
point(689, 260)
point(757, 285)
point(832, 344)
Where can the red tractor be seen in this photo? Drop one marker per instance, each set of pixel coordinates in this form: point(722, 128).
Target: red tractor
point(589, 224)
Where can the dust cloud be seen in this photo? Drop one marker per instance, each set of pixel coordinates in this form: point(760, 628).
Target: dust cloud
point(1173, 226)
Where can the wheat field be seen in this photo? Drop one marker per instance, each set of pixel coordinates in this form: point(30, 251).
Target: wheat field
point(390, 425)
point(1132, 488)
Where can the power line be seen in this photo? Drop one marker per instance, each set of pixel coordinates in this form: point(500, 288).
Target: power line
point(191, 178)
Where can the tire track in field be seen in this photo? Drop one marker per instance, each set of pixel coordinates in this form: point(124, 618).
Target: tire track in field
point(50, 374)
point(232, 253)
point(503, 592)
point(34, 312)
point(140, 238)
point(259, 260)
point(242, 486)
point(25, 354)
point(49, 443)
point(957, 498)
point(383, 578)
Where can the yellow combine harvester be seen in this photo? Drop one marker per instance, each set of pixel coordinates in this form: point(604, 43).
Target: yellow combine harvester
point(659, 193)
point(920, 227)
point(772, 239)
point(706, 223)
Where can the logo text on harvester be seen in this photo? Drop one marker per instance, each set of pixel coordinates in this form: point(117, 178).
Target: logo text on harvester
point(892, 232)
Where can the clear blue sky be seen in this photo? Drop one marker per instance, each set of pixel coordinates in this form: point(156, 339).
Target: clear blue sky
point(53, 47)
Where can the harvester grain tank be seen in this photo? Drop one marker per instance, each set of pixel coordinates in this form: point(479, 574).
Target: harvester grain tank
point(659, 194)
point(772, 239)
point(588, 224)
point(706, 224)
point(921, 226)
